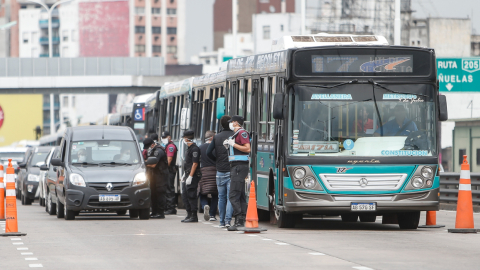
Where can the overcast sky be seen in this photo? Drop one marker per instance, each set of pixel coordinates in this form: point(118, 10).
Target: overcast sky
point(450, 9)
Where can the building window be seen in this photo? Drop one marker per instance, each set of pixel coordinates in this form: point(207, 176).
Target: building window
point(73, 101)
point(65, 35)
point(139, 10)
point(156, 30)
point(172, 39)
point(266, 32)
point(155, 10)
point(139, 48)
point(281, 27)
point(34, 35)
point(25, 37)
point(171, 1)
point(156, 38)
point(140, 29)
point(171, 11)
point(74, 35)
point(34, 52)
point(65, 52)
point(65, 102)
point(171, 30)
point(156, 49)
point(461, 153)
point(171, 49)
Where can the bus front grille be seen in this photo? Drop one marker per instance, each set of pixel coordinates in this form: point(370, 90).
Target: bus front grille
point(345, 182)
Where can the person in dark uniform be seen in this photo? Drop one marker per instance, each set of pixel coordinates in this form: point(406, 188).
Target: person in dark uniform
point(191, 177)
point(158, 180)
point(208, 183)
point(239, 157)
point(171, 150)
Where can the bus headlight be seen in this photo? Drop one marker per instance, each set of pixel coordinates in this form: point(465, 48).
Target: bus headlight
point(77, 180)
point(417, 182)
point(299, 173)
point(139, 179)
point(427, 172)
point(309, 182)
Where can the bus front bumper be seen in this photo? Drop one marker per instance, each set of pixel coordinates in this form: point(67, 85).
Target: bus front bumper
point(322, 203)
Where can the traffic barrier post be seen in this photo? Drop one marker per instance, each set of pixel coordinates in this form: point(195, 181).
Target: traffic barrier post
point(251, 222)
point(2, 197)
point(11, 228)
point(464, 218)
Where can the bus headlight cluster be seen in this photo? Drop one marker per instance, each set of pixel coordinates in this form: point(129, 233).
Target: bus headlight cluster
point(299, 173)
point(423, 177)
point(309, 182)
point(417, 182)
point(427, 172)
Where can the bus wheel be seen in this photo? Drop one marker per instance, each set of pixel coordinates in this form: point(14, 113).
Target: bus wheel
point(349, 217)
point(409, 220)
point(285, 220)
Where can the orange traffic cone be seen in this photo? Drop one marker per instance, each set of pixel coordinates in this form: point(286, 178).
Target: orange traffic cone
point(251, 222)
point(11, 228)
point(2, 197)
point(431, 220)
point(464, 219)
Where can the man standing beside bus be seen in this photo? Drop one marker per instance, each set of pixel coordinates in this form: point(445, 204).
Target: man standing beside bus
point(171, 150)
point(158, 178)
point(191, 178)
point(239, 157)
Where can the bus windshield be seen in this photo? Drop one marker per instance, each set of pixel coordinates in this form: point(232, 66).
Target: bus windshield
point(347, 120)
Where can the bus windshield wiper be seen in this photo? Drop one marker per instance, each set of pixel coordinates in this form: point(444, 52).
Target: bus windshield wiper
point(115, 163)
point(393, 91)
point(85, 163)
point(333, 86)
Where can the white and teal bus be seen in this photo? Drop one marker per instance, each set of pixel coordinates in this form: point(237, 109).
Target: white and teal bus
point(340, 125)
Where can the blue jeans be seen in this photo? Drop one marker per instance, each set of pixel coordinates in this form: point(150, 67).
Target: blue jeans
point(213, 203)
point(224, 206)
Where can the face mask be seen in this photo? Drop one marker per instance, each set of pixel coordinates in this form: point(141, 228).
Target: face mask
point(230, 125)
point(165, 141)
point(125, 157)
point(82, 158)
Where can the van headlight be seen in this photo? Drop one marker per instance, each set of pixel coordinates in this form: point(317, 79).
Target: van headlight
point(77, 180)
point(32, 177)
point(139, 179)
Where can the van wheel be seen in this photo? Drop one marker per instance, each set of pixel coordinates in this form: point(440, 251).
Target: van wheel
point(60, 209)
point(133, 213)
point(50, 207)
point(144, 213)
point(409, 220)
point(22, 199)
point(121, 212)
point(69, 214)
point(349, 217)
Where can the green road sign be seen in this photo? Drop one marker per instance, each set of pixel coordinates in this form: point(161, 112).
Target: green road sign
point(459, 74)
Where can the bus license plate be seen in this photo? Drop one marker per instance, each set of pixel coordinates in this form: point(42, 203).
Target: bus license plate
point(363, 207)
point(109, 198)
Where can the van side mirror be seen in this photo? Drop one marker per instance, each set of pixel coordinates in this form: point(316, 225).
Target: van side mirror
point(151, 161)
point(44, 167)
point(56, 162)
point(185, 119)
point(278, 106)
point(22, 165)
point(220, 107)
point(442, 108)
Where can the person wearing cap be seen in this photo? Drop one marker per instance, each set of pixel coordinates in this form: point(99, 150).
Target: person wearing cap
point(191, 177)
point(239, 156)
point(158, 177)
point(154, 137)
point(217, 152)
point(171, 149)
point(399, 126)
point(208, 184)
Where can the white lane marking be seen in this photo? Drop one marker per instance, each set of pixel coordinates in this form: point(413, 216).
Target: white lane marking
point(316, 253)
point(15, 239)
point(27, 253)
point(207, 223)
point(361, 268)
point(180, 216)
point(266, 239)
point(17, 243)
point(216, 226)
point(224, 229)
point(31, 259)
point(240, 232)
point(252, 235)
point(22, 248)
point(35, 265)
point(282, 244)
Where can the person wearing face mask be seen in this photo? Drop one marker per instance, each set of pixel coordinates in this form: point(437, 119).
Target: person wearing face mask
point(158, 180)
point(171, 150)
point(208, 185)
point(239, 156)
point(191, 177)
point(82, 155)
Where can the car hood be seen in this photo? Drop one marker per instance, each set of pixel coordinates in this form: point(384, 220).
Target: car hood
point(34, 170)
point(93, 174)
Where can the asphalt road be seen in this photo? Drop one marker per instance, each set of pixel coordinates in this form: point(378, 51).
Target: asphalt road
point(111, 242)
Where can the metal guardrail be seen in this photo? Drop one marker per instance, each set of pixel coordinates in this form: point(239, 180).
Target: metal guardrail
point(449, 187)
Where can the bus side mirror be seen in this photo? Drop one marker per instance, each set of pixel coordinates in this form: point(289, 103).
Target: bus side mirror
point(185, 118)
point(220, 107)
point(278, 106)
point(442, 108)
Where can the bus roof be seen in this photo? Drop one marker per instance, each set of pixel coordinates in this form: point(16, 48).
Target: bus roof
point(176, 88)
point(324, 39)
point(141, 98)
point(209, 79)
point(151, 101)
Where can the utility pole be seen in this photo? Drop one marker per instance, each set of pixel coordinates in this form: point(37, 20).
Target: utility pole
point(302, 10)
point(398, 25)
point(234, 27)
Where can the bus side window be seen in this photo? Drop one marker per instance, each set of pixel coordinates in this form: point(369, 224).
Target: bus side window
point(241, 98)
point(264, 111)
point(200, 113)
point(164, 111)
point(213, 105)
point(171, 109)
point(272, 89)
point(248, 105)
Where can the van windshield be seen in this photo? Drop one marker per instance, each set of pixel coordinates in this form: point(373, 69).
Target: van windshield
point(104, 152)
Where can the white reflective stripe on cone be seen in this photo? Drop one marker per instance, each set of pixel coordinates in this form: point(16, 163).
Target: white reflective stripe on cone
point(464, 174)
point(1, 185)
point(467, 187)
point(1, 173)
point(10, 192)
point(10, 178)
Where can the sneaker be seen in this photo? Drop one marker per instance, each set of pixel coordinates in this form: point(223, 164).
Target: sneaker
point(221, 226)
point(227, 225)
point(212, 219)
point(206, 212)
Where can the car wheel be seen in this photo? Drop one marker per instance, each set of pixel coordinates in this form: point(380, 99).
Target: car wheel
point(121, 212)
point(68, 214)
point(409, 220)
point(22, 199)
point(60, 209)
point(51, 207)
point(368, 218)
point(349, 217)
point(133, 213)
point(144, 213)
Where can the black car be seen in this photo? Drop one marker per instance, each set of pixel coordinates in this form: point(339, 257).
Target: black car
point(27, 179)
point(100, 168)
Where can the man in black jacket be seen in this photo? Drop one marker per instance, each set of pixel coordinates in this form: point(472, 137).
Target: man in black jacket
point(217, 152)
point(158, 180)
point(191, 178)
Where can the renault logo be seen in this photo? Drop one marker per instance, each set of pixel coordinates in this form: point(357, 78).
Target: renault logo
point(363, 182)
point(109, 186)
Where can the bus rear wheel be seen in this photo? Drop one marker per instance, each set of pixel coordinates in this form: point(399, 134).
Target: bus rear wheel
point(408, 220)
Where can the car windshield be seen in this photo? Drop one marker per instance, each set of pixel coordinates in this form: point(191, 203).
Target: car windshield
point(18, 156)
point(38, 159)
point(104, 152)
point(345, 120)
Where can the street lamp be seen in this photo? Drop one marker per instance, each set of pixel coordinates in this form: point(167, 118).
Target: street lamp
point(49, 11)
